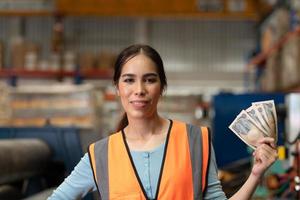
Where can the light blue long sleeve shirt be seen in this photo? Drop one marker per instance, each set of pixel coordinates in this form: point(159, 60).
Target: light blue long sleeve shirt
point(147, 163)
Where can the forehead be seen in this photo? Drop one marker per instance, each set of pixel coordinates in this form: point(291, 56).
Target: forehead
point(139, 64)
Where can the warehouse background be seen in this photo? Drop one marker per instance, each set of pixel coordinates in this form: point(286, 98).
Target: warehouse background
point(217, 52)
point(56, 61)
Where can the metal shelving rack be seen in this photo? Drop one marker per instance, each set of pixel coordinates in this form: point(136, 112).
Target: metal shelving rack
point(14, 74)
point(263, 56)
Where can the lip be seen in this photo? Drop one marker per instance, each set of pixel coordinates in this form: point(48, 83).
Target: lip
point(138, 104)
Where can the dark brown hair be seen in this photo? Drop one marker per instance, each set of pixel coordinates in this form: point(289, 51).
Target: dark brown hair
point(129, 53)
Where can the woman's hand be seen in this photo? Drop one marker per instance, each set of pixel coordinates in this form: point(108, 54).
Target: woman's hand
point(264, 156)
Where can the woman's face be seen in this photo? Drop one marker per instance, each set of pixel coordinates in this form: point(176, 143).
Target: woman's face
point(139, 87)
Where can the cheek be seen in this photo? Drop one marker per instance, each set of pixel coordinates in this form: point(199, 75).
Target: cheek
point(156, 91)
point(123, 91)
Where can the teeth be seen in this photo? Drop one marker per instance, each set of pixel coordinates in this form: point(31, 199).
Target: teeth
point(139, 103)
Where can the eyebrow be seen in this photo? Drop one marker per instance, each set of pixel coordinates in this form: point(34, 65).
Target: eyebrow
point(145, 75)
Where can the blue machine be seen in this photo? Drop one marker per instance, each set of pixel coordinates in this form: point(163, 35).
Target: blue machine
point(64, 143)
point(228, 147)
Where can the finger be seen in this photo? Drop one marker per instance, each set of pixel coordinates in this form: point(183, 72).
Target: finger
point(261, 158)
point(267, 140)
point(265, 156)
point(265, 160)
point(267, 148)
point(268, 151)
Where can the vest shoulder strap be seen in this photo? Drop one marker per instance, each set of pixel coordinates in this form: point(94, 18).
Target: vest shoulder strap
point(199, 142)
point(91, 152)
point(98, 159)
point(205, 155)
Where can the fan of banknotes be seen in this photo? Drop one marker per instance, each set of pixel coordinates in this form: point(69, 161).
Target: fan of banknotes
point(257, 121)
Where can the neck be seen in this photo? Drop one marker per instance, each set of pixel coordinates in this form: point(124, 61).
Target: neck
point(143, 129)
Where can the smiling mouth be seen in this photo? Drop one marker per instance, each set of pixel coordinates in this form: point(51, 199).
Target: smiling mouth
point(139, 104)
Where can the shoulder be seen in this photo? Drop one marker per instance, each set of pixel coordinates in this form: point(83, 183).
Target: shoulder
point(177, 123)
point(189, 126)
point(104, 141)
point(192, 129)
point(101, 141)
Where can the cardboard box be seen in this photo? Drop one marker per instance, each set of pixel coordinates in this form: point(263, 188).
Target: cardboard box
point(18, 51)
point(31, 56)
point(5, 111)
point(270, 80)
point(267, 39)
point(69, 61)
point(106, 60)
point(278, 24)
point(290, 68)
point(87, 61)
point(61, 105)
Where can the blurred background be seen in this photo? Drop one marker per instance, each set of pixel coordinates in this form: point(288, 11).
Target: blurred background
point(57, 96)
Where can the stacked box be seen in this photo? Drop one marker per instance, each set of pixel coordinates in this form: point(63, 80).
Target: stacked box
point(106, 60)
point(58, 105)
point(18, 51)
point(87, 61)
point(273, 30)
point(280, 23)
point(69, 61)
point(5, 111)
point(31, 56)
point(24, 54)
point(267, 39)
point(270, 80)
point(54, 62)
point(290, 70)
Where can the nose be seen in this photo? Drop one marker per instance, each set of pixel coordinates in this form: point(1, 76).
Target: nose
point(140, 89)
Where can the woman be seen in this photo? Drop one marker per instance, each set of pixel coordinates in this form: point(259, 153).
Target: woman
point(151, 157)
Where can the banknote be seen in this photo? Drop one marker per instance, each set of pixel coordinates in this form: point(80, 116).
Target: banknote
point(263, 115)
point(256, 116)
point(246, 129)
point(270, 112)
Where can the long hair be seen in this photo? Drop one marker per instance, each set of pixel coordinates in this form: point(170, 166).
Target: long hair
point(122, 123)
point(129, 53)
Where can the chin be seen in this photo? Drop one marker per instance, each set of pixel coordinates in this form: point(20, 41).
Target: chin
point(141, 115)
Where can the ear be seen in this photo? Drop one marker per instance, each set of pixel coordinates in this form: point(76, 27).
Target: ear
point(162, 92)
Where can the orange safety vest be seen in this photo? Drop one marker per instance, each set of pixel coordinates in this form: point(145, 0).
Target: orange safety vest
point(183, 172)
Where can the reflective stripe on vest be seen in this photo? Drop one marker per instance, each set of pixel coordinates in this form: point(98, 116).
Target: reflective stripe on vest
point(185, 166)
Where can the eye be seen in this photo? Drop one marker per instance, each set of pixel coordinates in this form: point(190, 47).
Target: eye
point(151, 80)
point(128, 80)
